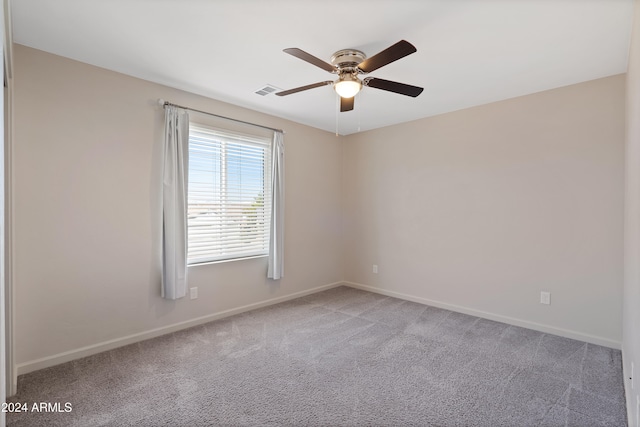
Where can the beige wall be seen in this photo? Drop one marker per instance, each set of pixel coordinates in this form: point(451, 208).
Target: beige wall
point(87, 210)
point(481, 209)
point(631, 310)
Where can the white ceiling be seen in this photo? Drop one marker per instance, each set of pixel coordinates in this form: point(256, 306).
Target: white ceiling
point(470, 52)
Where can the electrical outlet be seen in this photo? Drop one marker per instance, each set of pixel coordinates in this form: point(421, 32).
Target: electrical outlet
point(375, 269)
point(545, 298)
point(193, 293)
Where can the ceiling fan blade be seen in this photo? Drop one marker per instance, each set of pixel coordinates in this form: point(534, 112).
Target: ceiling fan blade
point(301, 54)
point(346, 104)
point(301, 88)
point(387, 56)
point(401, 88)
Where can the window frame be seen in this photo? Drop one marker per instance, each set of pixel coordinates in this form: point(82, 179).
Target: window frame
point(225, 137)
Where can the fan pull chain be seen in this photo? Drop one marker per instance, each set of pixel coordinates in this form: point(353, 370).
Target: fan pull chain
point(359, 110)
point(337, 113)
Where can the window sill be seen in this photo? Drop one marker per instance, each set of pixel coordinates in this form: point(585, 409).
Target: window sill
point(226, 260)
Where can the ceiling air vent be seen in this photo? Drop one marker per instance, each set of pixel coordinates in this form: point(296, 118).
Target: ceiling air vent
point(264, 91)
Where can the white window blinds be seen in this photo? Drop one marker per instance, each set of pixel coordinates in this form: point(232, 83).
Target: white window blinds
point(229, 195)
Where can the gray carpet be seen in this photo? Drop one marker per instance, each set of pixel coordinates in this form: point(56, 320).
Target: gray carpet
point(339, 357)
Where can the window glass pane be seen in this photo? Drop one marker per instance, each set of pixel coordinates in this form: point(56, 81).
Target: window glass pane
point(229, 195)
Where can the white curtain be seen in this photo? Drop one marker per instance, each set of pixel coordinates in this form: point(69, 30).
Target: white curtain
point(174, 203)
point(276, 240)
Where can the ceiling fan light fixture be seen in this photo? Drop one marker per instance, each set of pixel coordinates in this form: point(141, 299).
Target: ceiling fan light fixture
point(347, 86)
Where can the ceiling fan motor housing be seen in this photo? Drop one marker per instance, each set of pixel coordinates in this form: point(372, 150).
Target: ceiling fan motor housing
point(347, 58)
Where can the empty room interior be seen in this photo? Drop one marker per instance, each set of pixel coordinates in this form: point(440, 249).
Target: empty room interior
point(334, 213)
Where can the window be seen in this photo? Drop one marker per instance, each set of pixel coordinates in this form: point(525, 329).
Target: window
point(229, 195)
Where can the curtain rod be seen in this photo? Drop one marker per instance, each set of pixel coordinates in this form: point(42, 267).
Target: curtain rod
point(165, 103)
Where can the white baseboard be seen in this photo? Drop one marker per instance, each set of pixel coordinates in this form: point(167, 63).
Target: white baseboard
point(631, 396)
point(67, 356)
point(628, 395)
point(492, 316)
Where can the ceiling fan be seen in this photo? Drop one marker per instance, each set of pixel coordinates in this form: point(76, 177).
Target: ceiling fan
point(348, 64)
